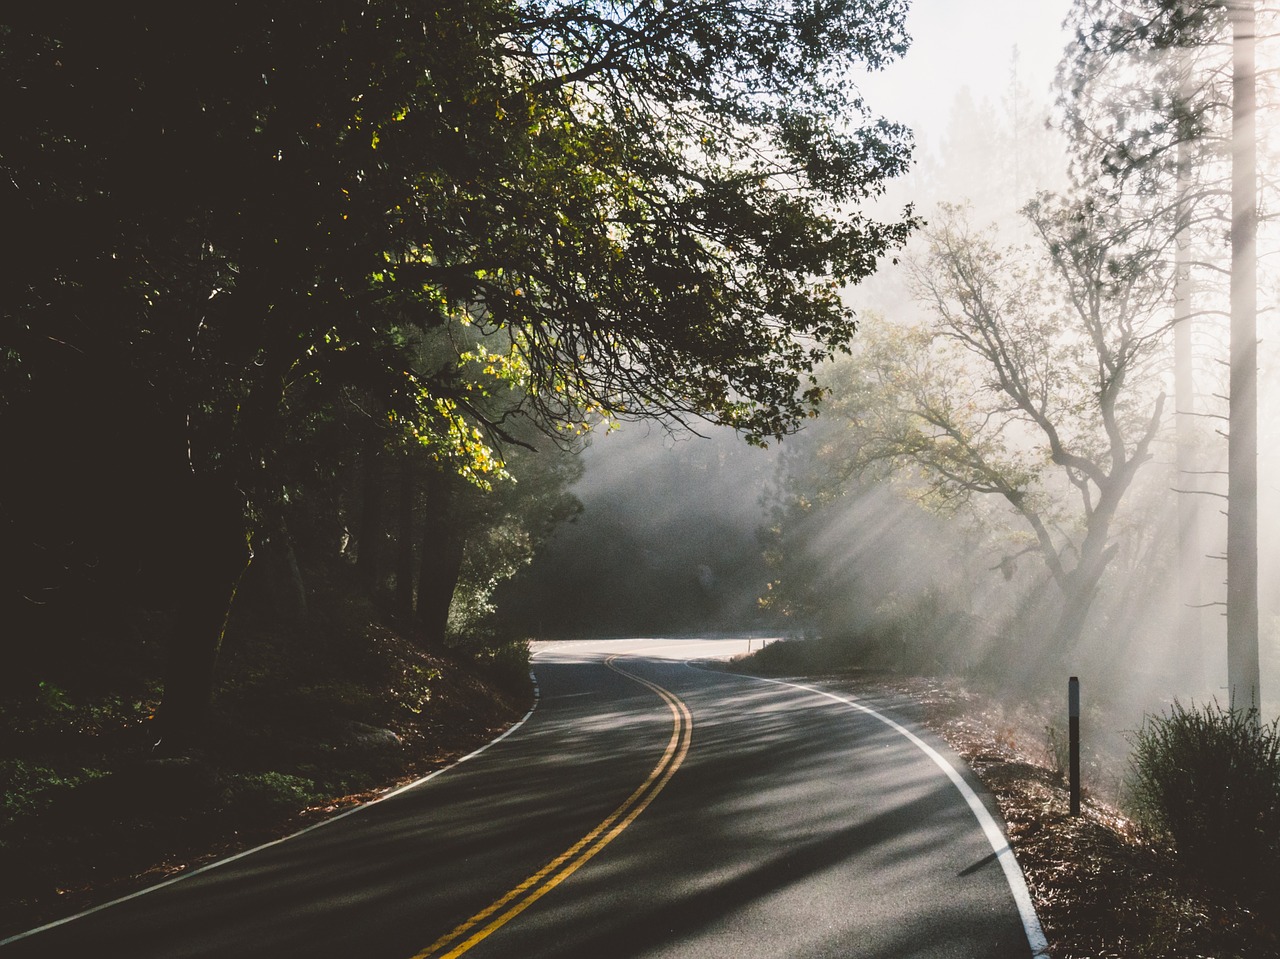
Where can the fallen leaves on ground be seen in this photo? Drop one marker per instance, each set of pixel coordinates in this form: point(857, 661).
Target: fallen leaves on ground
point(1102, 888)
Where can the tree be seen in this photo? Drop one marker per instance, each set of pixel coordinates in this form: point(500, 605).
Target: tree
point(996, 157)
point(1033, 381)
point(500, 533)
point(666, 540)
point(853, 557)
point(1243, 673)
point(638, 202)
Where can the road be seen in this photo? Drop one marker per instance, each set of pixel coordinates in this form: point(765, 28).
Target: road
point(647, 807)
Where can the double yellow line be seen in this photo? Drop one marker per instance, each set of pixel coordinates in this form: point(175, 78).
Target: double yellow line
point(503, 910)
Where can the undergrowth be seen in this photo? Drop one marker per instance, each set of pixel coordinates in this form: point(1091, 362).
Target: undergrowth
point(302, 725)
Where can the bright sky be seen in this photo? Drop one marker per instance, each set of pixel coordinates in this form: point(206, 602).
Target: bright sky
point(970, 43)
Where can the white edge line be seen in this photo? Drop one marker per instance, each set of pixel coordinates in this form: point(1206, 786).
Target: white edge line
point(995, 836)
point(275, 842)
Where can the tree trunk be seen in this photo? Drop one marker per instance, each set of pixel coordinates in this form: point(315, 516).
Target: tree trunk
point(369, 552)
point(280, 574)
point(1242, 449)
point(215, 546)
point(1078, 593)
point(1080, 585)
point(404, 542)
point(1190, 628)
point(1147, 576)
point(443, 549)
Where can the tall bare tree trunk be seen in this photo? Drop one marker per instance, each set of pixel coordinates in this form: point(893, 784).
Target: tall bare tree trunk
point(1242, 457)
point(369, 556)
point(1190, 649)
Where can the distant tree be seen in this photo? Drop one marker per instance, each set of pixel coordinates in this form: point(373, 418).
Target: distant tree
point(852, 555)
point(995, 156)
point(638, 202)
point(503, 530)
point(665, 543)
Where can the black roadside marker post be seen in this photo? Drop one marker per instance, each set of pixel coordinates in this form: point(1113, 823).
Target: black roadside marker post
point(1073, 708)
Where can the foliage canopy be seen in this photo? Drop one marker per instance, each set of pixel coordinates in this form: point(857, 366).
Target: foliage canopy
point(448, 216)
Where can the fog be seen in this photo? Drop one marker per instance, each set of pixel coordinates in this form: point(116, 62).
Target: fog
point(682, 533)
point(667, 541)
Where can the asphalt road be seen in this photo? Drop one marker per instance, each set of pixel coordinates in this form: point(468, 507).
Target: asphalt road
point(646, 808)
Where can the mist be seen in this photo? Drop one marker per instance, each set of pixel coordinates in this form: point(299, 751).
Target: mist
point(667, 542)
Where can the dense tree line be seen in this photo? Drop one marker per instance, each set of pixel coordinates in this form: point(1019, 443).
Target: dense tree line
point(262, 255)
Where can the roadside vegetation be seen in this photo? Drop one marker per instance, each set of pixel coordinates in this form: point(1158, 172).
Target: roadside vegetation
point(305, 723)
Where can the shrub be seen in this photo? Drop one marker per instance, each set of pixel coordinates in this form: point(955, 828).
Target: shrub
point(414, 687)
point(268, 795)
point(1057, 746)
point(1209, 778)
point(881, 649)
point(507, 664)
point(27, 789)
point(790, 657)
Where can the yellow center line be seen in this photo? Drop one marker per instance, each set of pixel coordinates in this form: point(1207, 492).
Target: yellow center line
point(571, 860)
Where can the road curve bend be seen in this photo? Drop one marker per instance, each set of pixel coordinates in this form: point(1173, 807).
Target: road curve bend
point(646, 809)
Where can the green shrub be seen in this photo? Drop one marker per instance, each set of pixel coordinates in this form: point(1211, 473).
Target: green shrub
point(256, 796)
point(414, 688)
point(46, 707)
point(1209, 778)
point(507, 664)
point(27, 789)
point(789, 657)
point(837, 654)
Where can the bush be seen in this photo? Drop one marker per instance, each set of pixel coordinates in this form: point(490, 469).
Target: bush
point(840, 653)
point(1210, 779)
point(27, 789)
point(784, 657)
point(1057, 746)
point(507, 664)
point(268, 795)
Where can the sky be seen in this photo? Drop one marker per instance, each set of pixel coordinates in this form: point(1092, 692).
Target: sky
point(970, 43)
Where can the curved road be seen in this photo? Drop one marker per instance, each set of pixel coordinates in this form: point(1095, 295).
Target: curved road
point(646, 808)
